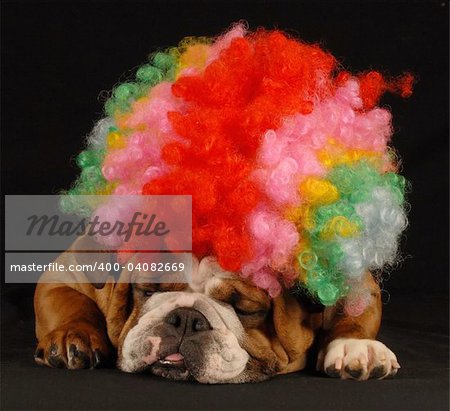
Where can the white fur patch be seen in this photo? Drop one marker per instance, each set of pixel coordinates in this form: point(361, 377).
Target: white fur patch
point(206, 274)
point(138, 352)
point(225, 359)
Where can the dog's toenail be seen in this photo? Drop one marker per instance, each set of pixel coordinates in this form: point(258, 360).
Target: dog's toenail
point(332, 371)
point(83, 359)
point(73, 350)
point(56, 362)
point(53, 349)
point(354, 372)
point(378, 372)
point(98, 357)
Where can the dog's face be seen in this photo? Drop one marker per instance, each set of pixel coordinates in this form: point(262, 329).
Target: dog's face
point(218, 329)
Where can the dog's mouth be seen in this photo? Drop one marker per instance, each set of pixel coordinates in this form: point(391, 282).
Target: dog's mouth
point(173, 360)
point(171, 366)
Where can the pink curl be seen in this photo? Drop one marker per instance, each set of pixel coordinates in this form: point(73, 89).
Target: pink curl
point(340, 117)
point(119, 209)
point(151, 111)
point(357, 302)
point(274, 241)
point(267, 280)
point(140, 160)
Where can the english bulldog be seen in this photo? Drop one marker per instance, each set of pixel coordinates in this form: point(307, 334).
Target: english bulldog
point(216, 329)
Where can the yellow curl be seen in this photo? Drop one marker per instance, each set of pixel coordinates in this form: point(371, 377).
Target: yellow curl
point(115, 140)
point(301, 248)
point(190, 52)
point(337, 154)
point(302, 216)
point(340, 226)
point(195, 56)
point(107, 190)
point(317, 191)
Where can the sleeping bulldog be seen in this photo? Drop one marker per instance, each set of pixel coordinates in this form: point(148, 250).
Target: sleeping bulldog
point(216, 329)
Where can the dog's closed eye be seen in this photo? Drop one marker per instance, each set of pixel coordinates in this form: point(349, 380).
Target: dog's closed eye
point(246, 313)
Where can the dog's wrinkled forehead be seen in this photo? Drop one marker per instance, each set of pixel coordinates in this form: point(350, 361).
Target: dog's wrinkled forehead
point(207, 274)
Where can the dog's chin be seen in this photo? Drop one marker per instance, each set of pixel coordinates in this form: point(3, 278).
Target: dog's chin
point(173, 367)
point(172, 370)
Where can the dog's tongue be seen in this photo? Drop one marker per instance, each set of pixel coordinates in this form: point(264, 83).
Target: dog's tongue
point(174, 357)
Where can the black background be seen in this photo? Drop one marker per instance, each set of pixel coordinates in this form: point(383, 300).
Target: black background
point(58, 61)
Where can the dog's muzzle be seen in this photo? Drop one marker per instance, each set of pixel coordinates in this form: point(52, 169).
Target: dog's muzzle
point(184, 335)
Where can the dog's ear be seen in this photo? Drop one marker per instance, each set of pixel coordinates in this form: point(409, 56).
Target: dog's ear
point(293, 330)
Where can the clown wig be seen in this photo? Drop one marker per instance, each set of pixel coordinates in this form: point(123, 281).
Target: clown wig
point(286, 156)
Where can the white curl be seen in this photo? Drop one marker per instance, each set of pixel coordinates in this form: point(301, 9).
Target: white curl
point(97, 137)
point(384, 220)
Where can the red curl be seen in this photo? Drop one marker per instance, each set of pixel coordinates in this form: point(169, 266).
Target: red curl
point(373, 85)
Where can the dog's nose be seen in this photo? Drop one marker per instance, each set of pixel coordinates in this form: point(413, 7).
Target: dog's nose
point(187, 321)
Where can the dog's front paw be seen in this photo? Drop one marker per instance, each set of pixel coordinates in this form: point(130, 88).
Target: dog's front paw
point(351, 358)
point(74, 346)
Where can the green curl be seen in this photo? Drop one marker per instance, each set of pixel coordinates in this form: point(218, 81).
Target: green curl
point(162, 67)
